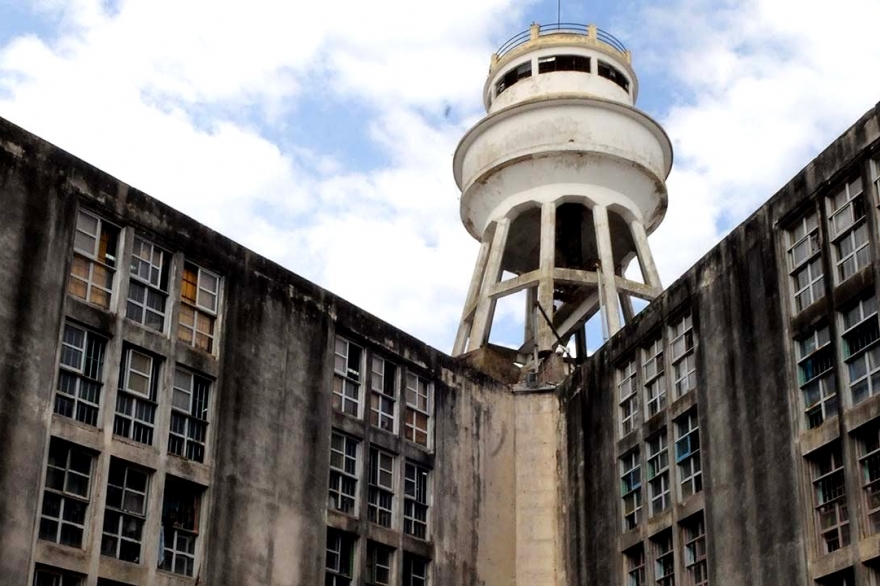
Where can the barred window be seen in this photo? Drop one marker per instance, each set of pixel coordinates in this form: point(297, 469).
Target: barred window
point(136, 398)
point(347, 377)
point(343, 473)
point(199, 296)
point(340, 558)
point(816, 376)
point(94, 260)
point(654, 378)
point(415, 508)
point(418, 409)
point(687, 454)
point(148, 288)
point(657, 473)
point(80, 376)
point(805, 262)
point(829, 492)
point(684, 365)
point(383, 398)
point(66, 494)
point(188, 434)
point(180, 526)
point(126, 511)
point(381, 493)
point(628, 397)
point(860, 349)
point(631, 489)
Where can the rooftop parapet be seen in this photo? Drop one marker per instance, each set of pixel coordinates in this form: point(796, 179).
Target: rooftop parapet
point(565, 33)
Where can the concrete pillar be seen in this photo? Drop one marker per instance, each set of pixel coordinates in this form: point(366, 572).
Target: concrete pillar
point(646, 260)
point(626, 304)
point(545, 337)
point(486, 305)
point(467, 320)
point(531, 314)
point(611, 306)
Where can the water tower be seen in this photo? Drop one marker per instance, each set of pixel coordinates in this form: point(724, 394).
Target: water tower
point(561, 182)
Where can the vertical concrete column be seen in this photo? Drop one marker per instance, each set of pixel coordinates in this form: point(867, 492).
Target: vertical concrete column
point(486, 304)
point(606, 258)
point(626, 305)
point(467, 317)
point(646, 260)
point(544, 334)
point(531, 297)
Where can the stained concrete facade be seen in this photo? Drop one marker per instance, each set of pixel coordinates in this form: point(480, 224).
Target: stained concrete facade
point(492, 482)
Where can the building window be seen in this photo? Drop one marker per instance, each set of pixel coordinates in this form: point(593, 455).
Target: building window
point(816, 376)
point(829, 491)
point(415, 508)
point(94, 260)
point(347, 377)
point(80, 375)
point(655, 381)
point(805, 262)
point(843, 578)
point(383, 400)
point(340, 558)
point(148, 289)
point(126, 511)
point(611, 73)
point(343, 473)
point(875, 176)
point(635, 566)
point(136, 399)
point(415, 570)
point(849, 231)
point(46, 576)
point(861, 353)
point(381, 497)
point(631, 489)
point(66, 494)
point(664, 559)
point(684, 369)
point(379, 558)
point(695, 564)
point(418, 405)
point(563, 63)
point(687, 454)
point(199, 295)
point(521, 71)
point(629, 397)
point(180, 526)
point(869, 462)
point(658, 473)
point(189, 415)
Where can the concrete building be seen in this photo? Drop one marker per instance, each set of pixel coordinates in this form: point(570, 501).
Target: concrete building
point(176, 409)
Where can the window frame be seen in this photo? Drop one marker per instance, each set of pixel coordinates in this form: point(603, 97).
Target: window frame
point(417, 499)
point(631, 489)
point(159, 289)
point(90, 259)
point(689, 463)
point(654, 377)
point(343, 546)
point(869, 473)
point(852, 203)
point(374, 548)
point(635, 566)
point(191, 441)
point(682, 330)
point(339, 498)
point(696, 560)
point(814, 289)
point(376, 510)
point(413, 410)
point(663, 552)
point(181, 539)
point(836, 501)
point(88, 370)
point(125, 514)
point(657, 473)
point(808, 350)
point(134, 416)
point(341, 398)
point(410, 578)
point(867, 350)
point(199, 310)
point(628, 403)
point(380, 417)
point(66, 498)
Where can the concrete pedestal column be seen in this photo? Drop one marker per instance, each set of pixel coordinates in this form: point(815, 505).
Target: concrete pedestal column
point(646, 261)
point(610, 300)
point(544, 334)
point(467, 316)
point(486, 304)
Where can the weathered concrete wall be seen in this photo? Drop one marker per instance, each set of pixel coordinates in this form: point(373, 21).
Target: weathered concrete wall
point(266, 502)
point(755, 498)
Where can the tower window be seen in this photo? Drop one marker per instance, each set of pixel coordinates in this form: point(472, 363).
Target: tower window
point(521, 71)
point(611, 73)
point(563, 63)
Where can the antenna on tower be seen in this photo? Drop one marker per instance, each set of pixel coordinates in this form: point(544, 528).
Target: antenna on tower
point(558, 12)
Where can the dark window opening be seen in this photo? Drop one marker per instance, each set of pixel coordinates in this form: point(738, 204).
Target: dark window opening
point(514, 75)
point(608, 72)
point(564, 63)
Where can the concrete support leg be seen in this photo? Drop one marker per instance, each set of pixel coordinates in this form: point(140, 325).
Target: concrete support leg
point(626, 304)
point(611, 307)
point(531, 297)
point(467, 316)
point(545, 337)
point(486, 305)
point(646, 261)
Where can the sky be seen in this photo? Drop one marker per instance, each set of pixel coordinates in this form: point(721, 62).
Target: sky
point(320, 134)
